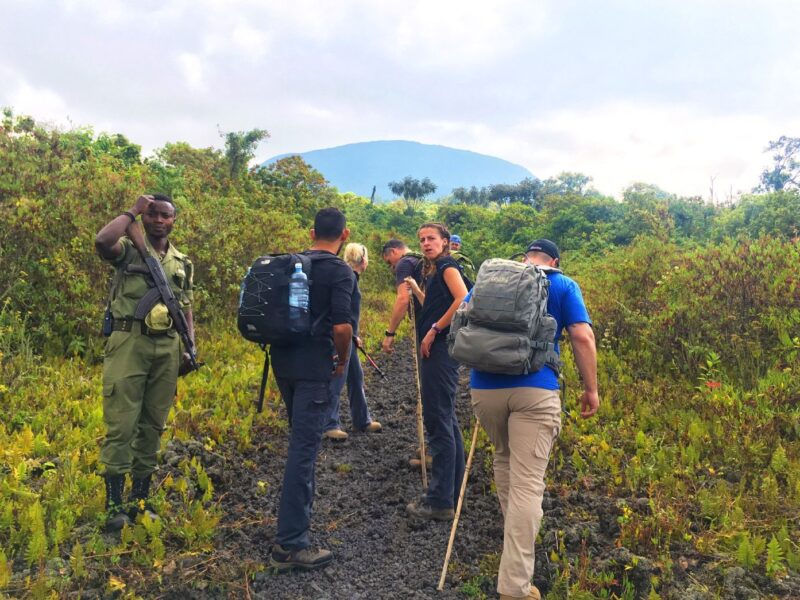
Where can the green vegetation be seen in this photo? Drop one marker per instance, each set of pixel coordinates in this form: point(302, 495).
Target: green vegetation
point(696, 309)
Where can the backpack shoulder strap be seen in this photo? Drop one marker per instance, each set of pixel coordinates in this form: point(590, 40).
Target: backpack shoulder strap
point(264, 374)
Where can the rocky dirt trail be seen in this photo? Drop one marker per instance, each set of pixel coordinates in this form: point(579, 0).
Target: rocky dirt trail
point(362, 487)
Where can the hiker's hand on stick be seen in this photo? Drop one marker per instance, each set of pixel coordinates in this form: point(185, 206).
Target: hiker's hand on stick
point(359, 343)
point(413, 286)
point(427, 342)
point(590, 402)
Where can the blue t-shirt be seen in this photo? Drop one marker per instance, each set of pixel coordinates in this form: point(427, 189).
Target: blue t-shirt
point(565, 303)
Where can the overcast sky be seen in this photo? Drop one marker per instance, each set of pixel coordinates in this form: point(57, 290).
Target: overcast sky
point(670, 92)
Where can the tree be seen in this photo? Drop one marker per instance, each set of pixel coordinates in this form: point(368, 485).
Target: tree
point(474, 195)
point(240, 148)
point(567, 183)
point(294, 186)
point(785, 173)
point(412, 190)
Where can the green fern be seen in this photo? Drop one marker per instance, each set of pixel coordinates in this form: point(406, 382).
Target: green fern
point(793, 560)
point(779, 462)
point(776, 559)
point(5, 570)
point(37, 543)
point(746, 554)
point(759, 545)
point(77, 561)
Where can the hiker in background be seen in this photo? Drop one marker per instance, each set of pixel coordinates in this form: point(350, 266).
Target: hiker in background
point(394, 254)
point(303, 372)
point(444, 290)
point(355, 255)
point(522, 416)
point(462, 259)
point(404, 265)
point(142, 356)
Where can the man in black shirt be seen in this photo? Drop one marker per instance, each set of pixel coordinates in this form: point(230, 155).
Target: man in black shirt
point(303, 372)
point(395, 254)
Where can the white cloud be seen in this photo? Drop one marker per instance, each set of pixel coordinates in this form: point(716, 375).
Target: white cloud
point(41, 103)
point(550, 85)
point(461, 34)
point(251, 41)
point(679, 148)
point(192, 69)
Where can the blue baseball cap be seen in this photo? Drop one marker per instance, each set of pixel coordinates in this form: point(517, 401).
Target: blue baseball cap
point(455, 238)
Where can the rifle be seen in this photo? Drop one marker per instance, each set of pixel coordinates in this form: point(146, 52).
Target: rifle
point(372, 362)
point(160, 292)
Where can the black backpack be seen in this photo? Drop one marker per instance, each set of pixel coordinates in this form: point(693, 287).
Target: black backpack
point(460, 259)
point(263, 315)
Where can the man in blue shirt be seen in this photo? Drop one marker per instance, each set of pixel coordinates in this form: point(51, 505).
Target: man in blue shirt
point(522, 416)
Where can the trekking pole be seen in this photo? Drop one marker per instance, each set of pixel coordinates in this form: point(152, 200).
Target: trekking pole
point(460, 504)
point(420, 430)
point(372, 362)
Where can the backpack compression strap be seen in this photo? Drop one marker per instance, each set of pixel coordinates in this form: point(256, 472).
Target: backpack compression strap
point(552, 359)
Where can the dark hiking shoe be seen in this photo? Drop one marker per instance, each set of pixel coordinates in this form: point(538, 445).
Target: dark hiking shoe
point(140, 492)
point(117, 518)
point(306, 559)
point(117, 521)
point(421, 509)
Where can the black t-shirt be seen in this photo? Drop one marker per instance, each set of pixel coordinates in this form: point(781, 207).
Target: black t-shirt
point(330, 303)
point(437, 297)
point(355, 306)
point(408, 267)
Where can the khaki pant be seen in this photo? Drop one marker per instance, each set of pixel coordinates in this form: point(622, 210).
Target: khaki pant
point(522, 423)
point(140, 374)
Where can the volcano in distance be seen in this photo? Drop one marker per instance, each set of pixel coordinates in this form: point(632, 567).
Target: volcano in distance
point(357, 167)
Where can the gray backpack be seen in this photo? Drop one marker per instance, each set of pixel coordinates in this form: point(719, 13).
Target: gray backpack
point(505, 328)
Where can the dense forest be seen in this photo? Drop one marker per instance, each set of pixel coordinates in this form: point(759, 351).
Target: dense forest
point(696, 309)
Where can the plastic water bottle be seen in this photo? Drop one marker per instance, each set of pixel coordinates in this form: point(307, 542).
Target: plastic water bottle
point(299, 320)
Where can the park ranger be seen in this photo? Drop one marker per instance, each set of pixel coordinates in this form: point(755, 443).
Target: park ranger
point(142, 356)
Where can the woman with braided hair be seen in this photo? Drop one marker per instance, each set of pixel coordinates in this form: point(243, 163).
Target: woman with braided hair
point(444, 290)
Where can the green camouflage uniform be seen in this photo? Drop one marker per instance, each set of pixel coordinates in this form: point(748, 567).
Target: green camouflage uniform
point(140, 369)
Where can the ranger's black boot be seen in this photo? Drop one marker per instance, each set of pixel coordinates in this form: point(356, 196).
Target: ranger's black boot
point(140, 492)
point(117, 518)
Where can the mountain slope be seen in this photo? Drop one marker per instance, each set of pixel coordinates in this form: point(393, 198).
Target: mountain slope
point(357, 167)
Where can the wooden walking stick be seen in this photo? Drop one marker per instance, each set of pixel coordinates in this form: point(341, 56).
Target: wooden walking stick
point(460, 504)
point(420, 429)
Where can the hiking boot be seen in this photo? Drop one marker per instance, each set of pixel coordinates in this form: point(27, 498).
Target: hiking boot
point(373, 427)
point(140, 492)
point(532, 595)
point(306, 558)
point(421, 509)
point(117, 518)
point(337, 435)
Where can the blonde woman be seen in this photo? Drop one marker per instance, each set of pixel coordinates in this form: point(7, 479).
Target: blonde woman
point(355, 255)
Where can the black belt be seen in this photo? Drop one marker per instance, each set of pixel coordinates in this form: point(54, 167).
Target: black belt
point(127, 324)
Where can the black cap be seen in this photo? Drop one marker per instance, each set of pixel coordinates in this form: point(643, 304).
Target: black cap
point(545, 246)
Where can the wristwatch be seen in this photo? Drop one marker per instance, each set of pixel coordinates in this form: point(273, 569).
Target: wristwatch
point(436, 329)
point(388, 333)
